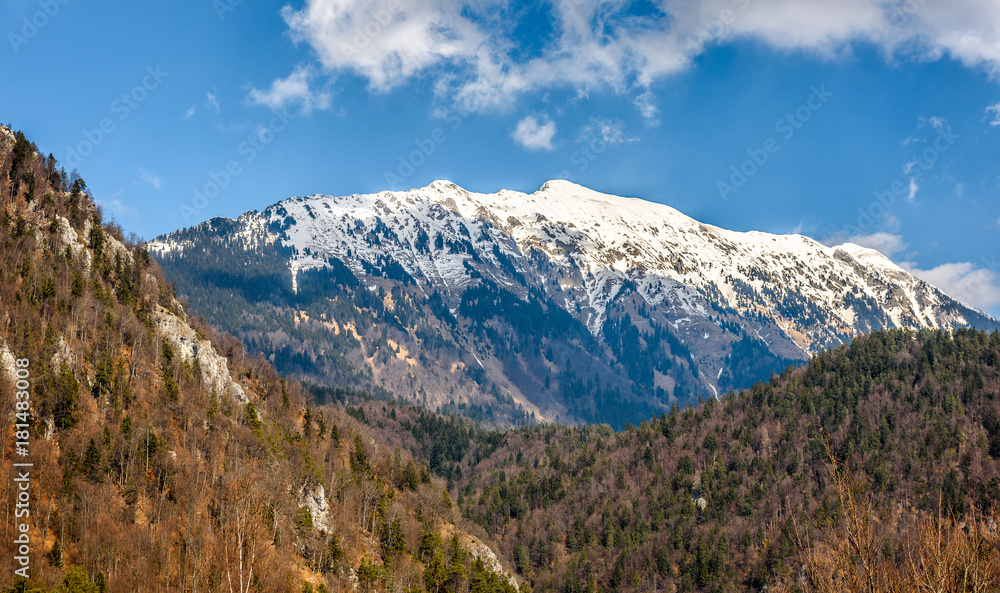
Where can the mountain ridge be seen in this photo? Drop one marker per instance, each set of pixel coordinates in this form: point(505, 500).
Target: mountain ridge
point(586, 252)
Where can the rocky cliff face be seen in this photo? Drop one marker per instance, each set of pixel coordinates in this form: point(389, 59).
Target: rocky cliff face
point(199, 352)
point(672, 309)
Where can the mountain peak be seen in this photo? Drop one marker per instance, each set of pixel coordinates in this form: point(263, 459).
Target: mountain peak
point(556, 185)
point(869, 256)
point(443, 184)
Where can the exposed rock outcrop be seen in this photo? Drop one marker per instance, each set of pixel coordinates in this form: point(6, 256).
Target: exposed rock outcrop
point(191, 348)
point(481, 551)
point(313, 497)
point(7, 361)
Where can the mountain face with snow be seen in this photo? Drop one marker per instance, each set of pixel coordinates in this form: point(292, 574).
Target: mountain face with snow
point(561, 304)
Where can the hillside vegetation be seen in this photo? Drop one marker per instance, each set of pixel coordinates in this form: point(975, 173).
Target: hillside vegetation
point(153, 470)
point(874, 468)
point(841, 466)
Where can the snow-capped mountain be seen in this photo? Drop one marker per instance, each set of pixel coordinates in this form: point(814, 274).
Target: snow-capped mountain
point(672, 308)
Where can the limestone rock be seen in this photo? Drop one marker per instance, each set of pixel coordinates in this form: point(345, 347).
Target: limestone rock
point(313, 497)
point(191, 348)
point(481, 551)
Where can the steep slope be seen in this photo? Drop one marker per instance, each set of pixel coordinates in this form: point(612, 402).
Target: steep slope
point(162, 457)
point(563, 303)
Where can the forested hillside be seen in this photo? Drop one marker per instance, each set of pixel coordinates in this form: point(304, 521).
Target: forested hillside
point(872, 468)
point(159, 465)
point(722, 496)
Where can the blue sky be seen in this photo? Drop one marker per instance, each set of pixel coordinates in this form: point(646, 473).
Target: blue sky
point(871, 121)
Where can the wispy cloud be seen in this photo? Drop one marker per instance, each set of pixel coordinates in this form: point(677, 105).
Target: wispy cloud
point(212, 101)
point(149, 178)
point(993, 114)
point(608, 131)
point(646, 104)
point(115, 206)
point(190, 112)
point(295, 89)
point(141, 176)
point(472, 51)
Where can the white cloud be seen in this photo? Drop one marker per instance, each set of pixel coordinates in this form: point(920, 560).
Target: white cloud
point(469, 50)
point(535, 135)
point(294, 89)
point(995, 111)
point(965, 281)
point(887, 244)
point(190, 112)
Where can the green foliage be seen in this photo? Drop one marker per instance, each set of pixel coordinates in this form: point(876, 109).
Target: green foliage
point(410, 477)
point(250, 416)
point(91, 465)
point(55, 555)
point(170, 385)
point(392, 539)
point(66, 395)
point(75, 580)
point(359, 457)
point(371, 576)
point(168, 352)
point(303, 519)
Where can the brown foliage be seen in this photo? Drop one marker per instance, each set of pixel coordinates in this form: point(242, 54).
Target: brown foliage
point(894, 549)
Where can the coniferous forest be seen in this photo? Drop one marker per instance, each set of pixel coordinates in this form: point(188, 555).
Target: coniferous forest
point(875, 467)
